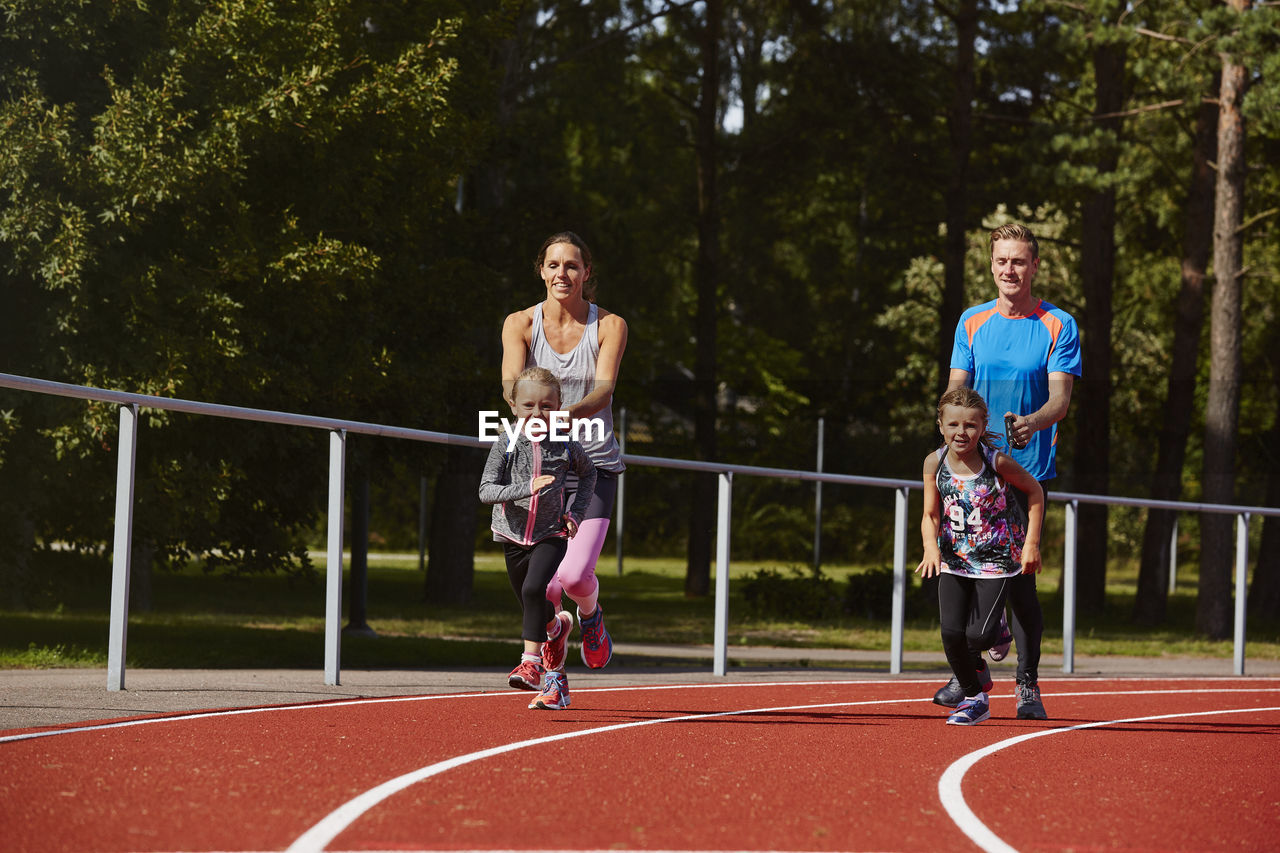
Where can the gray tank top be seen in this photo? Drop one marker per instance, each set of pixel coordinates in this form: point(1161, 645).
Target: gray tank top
point(576, 371)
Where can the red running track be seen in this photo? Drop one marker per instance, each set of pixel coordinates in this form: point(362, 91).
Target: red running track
point(1125, 765)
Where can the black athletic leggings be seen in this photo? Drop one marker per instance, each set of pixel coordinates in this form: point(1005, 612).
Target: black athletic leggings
point(530, 568)
point(1027, 624)
point(969, 610)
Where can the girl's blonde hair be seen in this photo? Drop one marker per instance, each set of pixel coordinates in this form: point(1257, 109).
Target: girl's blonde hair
point(539, 376)
point(967, 398)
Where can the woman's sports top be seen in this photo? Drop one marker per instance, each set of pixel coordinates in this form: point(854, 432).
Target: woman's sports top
point(576, 371)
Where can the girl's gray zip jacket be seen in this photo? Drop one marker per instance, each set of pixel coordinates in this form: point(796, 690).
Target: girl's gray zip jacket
point(519, 515)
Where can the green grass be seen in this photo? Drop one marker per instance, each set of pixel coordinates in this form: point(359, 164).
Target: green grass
point(200, 621)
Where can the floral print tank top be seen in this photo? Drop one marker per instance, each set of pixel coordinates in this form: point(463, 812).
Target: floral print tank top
point(982, 526)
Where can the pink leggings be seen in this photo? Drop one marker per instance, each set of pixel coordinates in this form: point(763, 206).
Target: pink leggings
point(576, 576)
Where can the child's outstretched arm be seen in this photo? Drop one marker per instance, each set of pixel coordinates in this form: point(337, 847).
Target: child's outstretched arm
point(1018, 477)
point(492, 488)
point(932, 562)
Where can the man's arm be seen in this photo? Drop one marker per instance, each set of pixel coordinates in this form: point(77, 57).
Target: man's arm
point(958, 378)
point(1053, 410)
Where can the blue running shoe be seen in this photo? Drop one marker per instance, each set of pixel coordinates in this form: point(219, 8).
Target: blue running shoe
point(971, 711)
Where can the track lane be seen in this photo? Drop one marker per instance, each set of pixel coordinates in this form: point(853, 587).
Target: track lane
point(832, 766)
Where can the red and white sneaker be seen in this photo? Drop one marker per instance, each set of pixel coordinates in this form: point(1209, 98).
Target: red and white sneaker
point(554, 652)
point(526, 676)
point(554, 695)
point(597, 645)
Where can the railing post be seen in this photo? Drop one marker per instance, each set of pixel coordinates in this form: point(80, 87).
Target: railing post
point(122, 556)
point(619, 498)
point(899, 579)
point(1173, 557)
point(817, 506)
point(1069, 590)
point(333, 562)
point(1242, 594)
point(724, 504)
point(422, 523)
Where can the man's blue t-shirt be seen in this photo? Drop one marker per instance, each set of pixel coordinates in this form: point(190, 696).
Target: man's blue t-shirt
point(1009, 361)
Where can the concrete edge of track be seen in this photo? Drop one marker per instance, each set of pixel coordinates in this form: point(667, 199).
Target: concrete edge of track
point(53, 697)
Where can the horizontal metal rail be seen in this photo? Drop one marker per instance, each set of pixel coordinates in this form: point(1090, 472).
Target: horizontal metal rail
point(338, 428)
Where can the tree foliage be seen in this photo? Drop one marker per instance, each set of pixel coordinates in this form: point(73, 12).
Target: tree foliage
point(330, 207)
point(235, 202)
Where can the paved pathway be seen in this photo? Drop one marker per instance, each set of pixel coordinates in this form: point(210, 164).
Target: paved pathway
point(30, 698)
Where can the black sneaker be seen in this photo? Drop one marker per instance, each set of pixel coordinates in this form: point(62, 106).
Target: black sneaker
point(1029, 705)
point(950, 694)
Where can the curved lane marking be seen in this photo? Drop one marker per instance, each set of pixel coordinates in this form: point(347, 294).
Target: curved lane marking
point(391, 700)
point(949, 785)
point(317, 838)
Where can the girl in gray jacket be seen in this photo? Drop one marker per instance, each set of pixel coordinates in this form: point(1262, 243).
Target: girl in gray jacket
point(525, 484)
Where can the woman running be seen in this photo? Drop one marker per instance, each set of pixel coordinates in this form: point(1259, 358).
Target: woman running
point(582, 345)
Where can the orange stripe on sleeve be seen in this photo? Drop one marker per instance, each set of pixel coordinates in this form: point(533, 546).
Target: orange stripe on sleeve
point(975, 322)
point(1053, 324)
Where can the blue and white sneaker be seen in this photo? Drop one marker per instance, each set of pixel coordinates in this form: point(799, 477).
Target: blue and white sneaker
point(971, 711)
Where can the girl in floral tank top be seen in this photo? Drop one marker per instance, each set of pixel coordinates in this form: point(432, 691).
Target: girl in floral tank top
point(983, 527)
point(975, 539)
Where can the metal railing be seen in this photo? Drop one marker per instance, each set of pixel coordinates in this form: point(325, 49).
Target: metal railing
point(339, 428)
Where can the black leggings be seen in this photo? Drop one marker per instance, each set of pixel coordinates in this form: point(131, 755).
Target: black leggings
point(1027, 624)
point(530, 568)
point(969, 610)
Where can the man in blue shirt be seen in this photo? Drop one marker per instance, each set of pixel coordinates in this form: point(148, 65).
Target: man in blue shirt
point(1022, 355)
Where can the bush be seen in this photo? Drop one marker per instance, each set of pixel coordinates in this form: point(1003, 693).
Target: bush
point(870, 595)
point(802, 594)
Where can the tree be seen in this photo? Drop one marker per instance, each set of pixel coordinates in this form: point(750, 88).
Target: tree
point(230, 203)
point(1179, 403)
point(960, 133)
point(1097, 273)
point(707, 276)
point(1222, 411)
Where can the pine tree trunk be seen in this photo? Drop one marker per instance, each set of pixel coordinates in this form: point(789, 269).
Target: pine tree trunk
point(451, 547)
point(702, 515)
point(1166, 483)
point(960, 130)
point(1264, 592)
point(1098, 261)
point(1222, 411)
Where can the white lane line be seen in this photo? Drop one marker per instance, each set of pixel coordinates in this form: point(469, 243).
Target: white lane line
point(318, 836)
point(391, 700)
point(949, 785)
